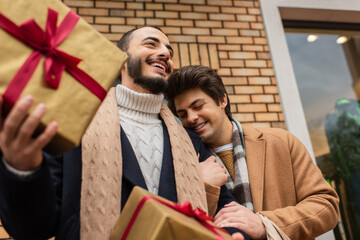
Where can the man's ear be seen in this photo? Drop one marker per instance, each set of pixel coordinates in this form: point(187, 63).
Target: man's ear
point(223, 101)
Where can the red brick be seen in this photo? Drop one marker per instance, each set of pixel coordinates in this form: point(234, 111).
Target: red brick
point(252, 48)
point(135, 21)
point(245, 71)
point(242, 55)
point(259, 81)
point(177, 7)
point(263, 55)
point(121, 28)
point(166, 14)
point(244, 117)
point(180, 23)
point(254, 11)
point(243, 3)
point(220, 3)
point(255, 63)
point(224, 71)
point(273, 80)
point(112, 36)
point(191, 15)
point(198, 2)
point(110, 20)
point(239, 98)
point(171, 30)
point(93, 11)
point(194, 54)
point(246, 18)
point(154, 6)
point(235, 10)
point(229, 47)
point(232, 63)
point(155, 22)
point(237, 25)
point(181, 38)
point(224, 32)
point(233, 108)
point(265, 117)
point(138, 6)
point(166, 1)
point(266, 48)
point(269, 63)
point(264, 98)
point(260, 40)
point(212, 24)
point(274, 107)
point(252, 107)
point(281, 117)
point(204, 56)
point(251, 33)
point(77, 3)
point(145, 13)
point(259, 124)
point(214, 58)
point(101, 28)
point(277, 98)
point(210, 39)
point(122, 13)
point(207, 9)
point(234, 80)
point(176, 57)
point(248, 89)
point(229, 89)
point(196, 31)
point(271, 89)
point(217, 16)
point(108, 4)
point(258, 26)
point(267, 72)
point(223, 55)
point(184, 54)
point(239, 40)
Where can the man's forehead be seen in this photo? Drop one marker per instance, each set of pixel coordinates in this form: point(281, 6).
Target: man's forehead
point(146, 32)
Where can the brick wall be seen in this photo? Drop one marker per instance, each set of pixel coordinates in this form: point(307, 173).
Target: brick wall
point(227, 35)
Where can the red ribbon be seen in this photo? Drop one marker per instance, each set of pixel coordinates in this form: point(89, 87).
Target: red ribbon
point(56, 61)
point(184, 208)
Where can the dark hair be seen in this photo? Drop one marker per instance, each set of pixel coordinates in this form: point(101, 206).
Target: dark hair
point(196, 76)
point(124, 41)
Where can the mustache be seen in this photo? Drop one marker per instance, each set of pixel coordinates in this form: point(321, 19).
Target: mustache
point(149, 59)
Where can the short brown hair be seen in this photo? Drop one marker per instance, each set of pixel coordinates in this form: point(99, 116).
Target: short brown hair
point(196, 76)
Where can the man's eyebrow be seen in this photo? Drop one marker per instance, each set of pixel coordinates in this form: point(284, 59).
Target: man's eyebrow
point(192, 104)
point(158, 41)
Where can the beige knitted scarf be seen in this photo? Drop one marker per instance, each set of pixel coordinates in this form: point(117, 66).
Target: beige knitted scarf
point(102, 169)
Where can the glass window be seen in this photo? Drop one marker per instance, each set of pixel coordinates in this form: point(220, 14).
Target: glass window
point(327, 71)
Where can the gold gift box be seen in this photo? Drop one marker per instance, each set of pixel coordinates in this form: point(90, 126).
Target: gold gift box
point(157, 221)
point(71, 105)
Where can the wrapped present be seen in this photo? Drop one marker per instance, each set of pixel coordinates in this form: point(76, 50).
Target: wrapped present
point(148, 216)
point(49, 52)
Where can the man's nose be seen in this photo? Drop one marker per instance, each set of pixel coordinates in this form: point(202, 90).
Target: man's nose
point(165, 53)
point(192, 117)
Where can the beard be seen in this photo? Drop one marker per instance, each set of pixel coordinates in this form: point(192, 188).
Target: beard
point(153, 84)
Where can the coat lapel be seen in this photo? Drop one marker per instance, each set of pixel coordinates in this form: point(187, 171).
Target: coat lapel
point(255, 159)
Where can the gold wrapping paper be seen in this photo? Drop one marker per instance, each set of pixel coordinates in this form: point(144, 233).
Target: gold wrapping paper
point(71, 105)
point(157, 222)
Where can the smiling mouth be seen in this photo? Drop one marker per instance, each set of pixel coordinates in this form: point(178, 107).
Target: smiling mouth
point(159, 63)
point(199, 126)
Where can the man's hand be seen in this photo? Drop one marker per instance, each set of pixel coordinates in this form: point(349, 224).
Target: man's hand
point(19, 149)
point(213, 172)
point(236, 215)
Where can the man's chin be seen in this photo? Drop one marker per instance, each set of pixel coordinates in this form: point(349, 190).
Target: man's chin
point(153, 84)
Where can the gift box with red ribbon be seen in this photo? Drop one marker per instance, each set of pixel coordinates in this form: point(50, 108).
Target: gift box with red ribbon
point(148, 216)
point(49, 52)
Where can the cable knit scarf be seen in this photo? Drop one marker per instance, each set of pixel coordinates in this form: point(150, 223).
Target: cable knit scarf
point(102, 170)
point(240, 187)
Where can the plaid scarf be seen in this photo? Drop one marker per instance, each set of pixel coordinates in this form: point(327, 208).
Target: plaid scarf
point(240, 187)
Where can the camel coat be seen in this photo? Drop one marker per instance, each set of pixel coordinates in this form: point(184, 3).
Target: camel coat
point(286, 186)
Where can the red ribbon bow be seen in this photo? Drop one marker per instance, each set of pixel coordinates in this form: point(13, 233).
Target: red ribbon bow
point(56, 61)
point(184, 208)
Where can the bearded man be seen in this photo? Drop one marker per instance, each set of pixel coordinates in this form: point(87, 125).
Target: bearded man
point(80, 194)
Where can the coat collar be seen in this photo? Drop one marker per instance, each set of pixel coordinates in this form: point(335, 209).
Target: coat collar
point(255, 159)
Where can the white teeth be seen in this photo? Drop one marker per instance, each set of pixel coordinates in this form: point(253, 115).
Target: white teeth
point(199, 126)
point(158, 65)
